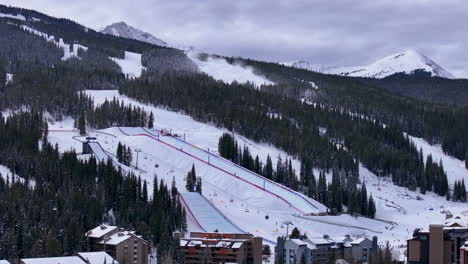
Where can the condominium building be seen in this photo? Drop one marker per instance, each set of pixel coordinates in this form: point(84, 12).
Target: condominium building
point(201, 247)
point(124, 246)
point(320, 249)
point(440, 244)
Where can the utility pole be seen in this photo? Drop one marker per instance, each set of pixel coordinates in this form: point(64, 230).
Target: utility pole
point(138, 150)
point(287, 223)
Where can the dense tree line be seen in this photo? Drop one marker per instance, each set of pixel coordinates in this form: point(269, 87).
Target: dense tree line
point(334, 195)
point(115, 113)
point(459, 191)
point(60, 196)
point(438, 112)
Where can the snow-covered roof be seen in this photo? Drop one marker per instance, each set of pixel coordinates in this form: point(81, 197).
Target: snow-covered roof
point(319, 240)
point(99, 257)
point(4, 262)
point(456, 221)
point(299, 242)
point(358, 241)
point(117, 238)
point(56, 260)
point(311, 247)
point(100, 231)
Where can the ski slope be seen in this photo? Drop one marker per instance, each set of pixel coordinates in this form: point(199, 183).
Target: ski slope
point(293, 199)
point(209, 218)
point(130, 65)
point(220, 69)
point(99, 153)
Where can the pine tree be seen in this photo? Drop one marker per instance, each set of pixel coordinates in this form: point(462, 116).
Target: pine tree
point(312, 191)
point(257, 165)
point(199, 185)
point(268, 171)
point(295, 233)
point(371, 210)
point(151, 120)
point(82, 123)
point(363, 201)
point(191, 179)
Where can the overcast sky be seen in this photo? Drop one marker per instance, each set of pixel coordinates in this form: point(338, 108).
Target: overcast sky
point(332, 32)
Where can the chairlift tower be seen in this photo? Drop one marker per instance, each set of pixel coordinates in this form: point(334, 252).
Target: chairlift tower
point(137, 150)
point(287, 223)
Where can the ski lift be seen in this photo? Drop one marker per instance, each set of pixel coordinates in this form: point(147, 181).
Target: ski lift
point(215, 194)
point(247, 210)
point(281, 226)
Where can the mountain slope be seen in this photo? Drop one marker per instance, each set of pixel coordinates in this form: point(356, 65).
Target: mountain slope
point(121, 29)
point(407, 62)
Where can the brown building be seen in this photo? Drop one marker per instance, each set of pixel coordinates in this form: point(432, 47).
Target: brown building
point(221, 248)
point(124, 246)
point(464, 254)
point(441, 244)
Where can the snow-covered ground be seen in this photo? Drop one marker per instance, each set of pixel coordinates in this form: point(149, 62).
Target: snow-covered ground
point(454, 167)
point(404, 62)
point(8, 175)
point(220, 69)
point(69, 50)
point(400, 210)
point(131, 64)
point(9, 78)
point(18, 16)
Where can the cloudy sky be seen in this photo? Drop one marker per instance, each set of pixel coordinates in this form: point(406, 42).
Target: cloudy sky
point(332, 32)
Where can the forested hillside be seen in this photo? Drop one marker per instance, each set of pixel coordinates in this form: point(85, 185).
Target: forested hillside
point(331, 124)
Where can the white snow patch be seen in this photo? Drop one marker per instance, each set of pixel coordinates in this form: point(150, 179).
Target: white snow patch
point(18, 16)
point(220, 69)
point(9, 78)
point(131, 64)
point(8, 175)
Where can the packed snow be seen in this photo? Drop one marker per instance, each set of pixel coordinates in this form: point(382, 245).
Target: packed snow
point(131, 64)
point(69, 50)
point(404, 62)
point(18, 16)
point(220, 69)
point(208, 216)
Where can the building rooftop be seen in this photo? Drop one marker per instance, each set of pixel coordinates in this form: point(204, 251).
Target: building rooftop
point(56, 260)
point(99, 257)
point(117, 238)
point(100, 231)
point(358, 241)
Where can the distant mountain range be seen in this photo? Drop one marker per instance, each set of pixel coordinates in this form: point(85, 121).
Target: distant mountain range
point(407, 62)
point(121, 29)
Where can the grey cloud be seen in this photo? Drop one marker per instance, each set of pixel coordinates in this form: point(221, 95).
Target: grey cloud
point(338, 32)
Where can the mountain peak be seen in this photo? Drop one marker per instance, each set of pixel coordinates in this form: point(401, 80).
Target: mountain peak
point(407, 62)
point(122, 29)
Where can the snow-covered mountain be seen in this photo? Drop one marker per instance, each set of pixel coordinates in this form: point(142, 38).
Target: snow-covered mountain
point(121, 29)
point(404, 62)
